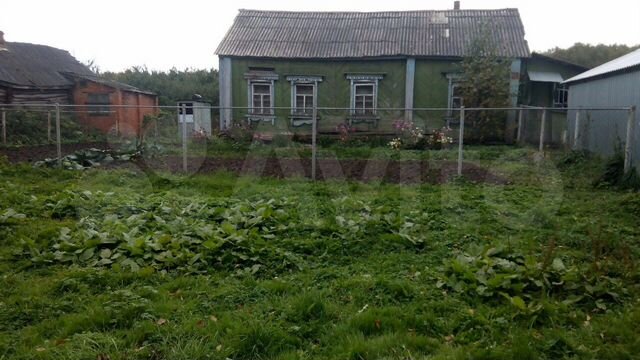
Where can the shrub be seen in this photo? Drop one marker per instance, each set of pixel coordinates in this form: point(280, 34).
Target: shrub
point(613, 174)
point(529, 283)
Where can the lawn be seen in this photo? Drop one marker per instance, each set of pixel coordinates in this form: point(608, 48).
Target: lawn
point(113, 264)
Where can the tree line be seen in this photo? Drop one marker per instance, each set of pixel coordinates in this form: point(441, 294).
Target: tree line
point(588, 55)
point(173, 85)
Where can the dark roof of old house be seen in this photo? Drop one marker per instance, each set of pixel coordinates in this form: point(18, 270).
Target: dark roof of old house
point(337, 35)
point(110, 83)
point(39, 66)
point(578, 67)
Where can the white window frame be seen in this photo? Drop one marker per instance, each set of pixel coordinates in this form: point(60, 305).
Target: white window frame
point(454, 82)
point(268, 111)
point(261, 78)
point(360, 80)
point(364, 111)
point(557, 90)
point(300, 118)
point(308, 100)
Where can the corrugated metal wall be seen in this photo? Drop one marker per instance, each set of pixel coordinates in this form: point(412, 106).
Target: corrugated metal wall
point(601, 131)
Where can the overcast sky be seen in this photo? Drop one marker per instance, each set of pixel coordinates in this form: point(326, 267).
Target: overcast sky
point(118, 34)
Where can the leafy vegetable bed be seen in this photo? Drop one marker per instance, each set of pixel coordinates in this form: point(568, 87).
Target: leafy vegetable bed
point(112, 264)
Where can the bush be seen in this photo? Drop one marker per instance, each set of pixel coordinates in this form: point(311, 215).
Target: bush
point(531, 284)
point(30, 128)
point(613, 174)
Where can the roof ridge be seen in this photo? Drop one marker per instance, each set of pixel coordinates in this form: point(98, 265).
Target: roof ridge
point(371, 12)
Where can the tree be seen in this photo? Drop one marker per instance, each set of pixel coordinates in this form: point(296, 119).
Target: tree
point(590, 55)
point(485, 84)
point(173, 85)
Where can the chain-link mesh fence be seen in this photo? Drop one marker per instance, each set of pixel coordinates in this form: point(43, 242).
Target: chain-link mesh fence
point(401, 145)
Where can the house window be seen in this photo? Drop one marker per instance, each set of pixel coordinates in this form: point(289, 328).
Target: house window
point(98, 104)
point(303, 104)
point(262, 98)
point(304, 92)
point(560, 96)
point(260, 95)
point(455, 100)
point(364, 99)
point(364, 95)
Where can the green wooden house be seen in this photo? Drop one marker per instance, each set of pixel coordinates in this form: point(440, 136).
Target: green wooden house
point(274, 65)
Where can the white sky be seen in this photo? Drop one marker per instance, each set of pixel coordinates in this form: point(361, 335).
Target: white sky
point(118, 34)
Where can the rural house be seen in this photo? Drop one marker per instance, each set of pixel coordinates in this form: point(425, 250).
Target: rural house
point(614, 84)
point(364, 61)
point(33, 74)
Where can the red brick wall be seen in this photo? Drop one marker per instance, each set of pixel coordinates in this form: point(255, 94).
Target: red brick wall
point(124, 120)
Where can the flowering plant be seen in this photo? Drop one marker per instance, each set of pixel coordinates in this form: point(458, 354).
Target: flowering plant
point(409, 135)
point(395, 144)
point(440, 138)
point(345, 131)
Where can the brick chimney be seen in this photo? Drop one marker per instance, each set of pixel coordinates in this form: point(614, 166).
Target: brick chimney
point(456, 5)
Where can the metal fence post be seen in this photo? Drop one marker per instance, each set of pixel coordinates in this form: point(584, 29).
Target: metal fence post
point(543, 125)
point(58, 136)
point(4, 127)
point(49, 126)
point(461, 141)
point(184, 137)
point(576, 131)
point(520, 121)
point(314, 130)
point(628, 146)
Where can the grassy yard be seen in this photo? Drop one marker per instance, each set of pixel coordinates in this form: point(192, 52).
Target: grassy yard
point(112, 264)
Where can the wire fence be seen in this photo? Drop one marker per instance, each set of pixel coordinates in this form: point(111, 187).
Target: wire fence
point(187, 138)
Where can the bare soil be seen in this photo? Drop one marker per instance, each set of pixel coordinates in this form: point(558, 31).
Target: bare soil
point(40, 152)
point(400, 172)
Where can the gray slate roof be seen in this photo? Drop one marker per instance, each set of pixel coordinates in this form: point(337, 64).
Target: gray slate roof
point(34, 65)
point(626, 62)
point(325, 35)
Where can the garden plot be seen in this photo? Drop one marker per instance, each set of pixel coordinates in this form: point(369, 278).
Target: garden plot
point(111, 264)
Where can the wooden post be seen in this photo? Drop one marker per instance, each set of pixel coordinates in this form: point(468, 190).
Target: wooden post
point(520, 122)
point(314, 130)
point(4, 127)
point(461, 141)
point(58, 136)
point(576, 131)
point(543, 125)
point(628, 146)
point(184, 137)
point(409, 86)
